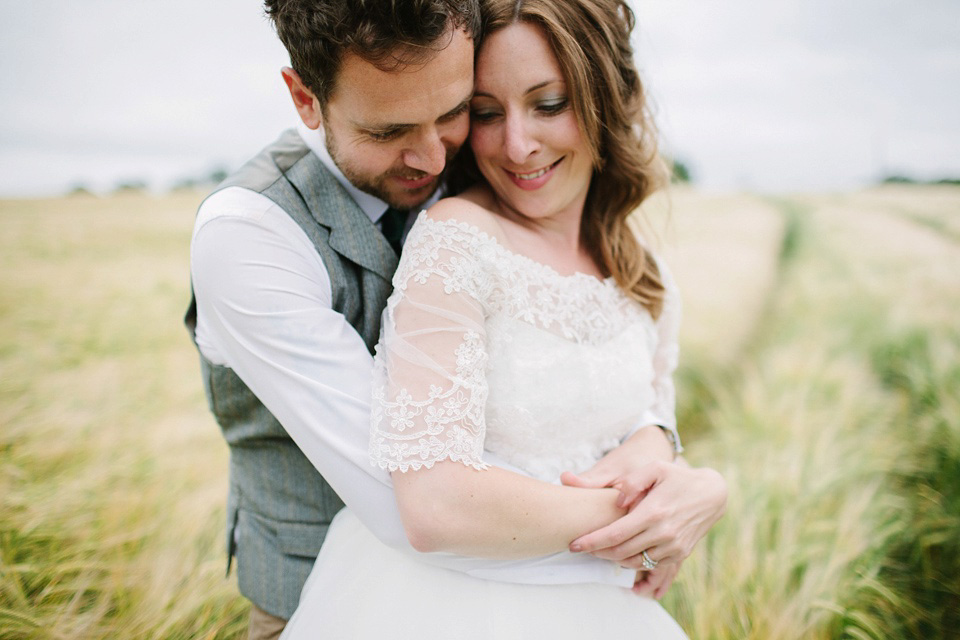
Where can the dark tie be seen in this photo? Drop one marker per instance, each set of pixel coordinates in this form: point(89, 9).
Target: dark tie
point(392, 224)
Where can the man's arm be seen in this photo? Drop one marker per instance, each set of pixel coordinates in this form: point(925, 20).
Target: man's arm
point(264, 303)
point(264, 310)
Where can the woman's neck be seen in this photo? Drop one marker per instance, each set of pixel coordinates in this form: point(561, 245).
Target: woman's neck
point(561, 229)
point(555, 240)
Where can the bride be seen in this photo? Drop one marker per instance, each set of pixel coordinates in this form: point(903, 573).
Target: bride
point(529, 322)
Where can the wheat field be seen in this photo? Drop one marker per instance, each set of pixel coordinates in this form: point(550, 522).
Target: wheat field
point(820, 374)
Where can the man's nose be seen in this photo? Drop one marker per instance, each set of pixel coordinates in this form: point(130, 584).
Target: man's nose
point(428, 154)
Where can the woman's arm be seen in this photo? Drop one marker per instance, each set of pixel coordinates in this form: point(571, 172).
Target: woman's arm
point(676, 506)
point(496, 513)
point(672, 506)
point(647, 444)
point(429, 424)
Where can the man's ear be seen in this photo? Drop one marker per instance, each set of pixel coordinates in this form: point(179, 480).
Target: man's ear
point(305, 102)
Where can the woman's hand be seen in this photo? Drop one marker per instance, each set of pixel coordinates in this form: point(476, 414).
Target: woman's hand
point(655, 582)
point(671, 507)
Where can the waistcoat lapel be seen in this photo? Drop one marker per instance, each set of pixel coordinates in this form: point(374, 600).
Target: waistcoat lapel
point(352, 234)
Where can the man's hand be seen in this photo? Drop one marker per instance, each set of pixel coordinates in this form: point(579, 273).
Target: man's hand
point(671, 507)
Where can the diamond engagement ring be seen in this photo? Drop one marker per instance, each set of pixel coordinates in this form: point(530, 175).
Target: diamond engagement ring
point(648, 564)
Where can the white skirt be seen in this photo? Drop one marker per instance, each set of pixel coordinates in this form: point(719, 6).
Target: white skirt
point(360, 588)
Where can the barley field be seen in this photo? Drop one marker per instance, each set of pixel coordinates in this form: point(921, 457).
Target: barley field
point(820, 374)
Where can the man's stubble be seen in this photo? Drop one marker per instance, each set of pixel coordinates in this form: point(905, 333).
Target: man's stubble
point(377, 186)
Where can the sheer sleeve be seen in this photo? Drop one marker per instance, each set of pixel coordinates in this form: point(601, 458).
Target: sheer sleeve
point(429, 386)
point(663, 410)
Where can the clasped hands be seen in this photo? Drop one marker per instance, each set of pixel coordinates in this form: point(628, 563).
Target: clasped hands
point(670, 507)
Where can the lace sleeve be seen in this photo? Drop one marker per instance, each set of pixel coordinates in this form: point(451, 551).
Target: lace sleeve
point(663, 410)
point(429, 387)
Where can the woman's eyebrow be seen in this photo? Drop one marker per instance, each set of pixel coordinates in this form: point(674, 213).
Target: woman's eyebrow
point(539, 85)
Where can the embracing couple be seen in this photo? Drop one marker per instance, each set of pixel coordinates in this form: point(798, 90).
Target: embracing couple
point(495, 406)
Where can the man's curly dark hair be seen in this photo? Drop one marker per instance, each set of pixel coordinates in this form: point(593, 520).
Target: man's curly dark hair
point(386, 33)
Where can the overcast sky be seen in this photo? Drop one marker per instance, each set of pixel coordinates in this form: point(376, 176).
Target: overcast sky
point(788, 95)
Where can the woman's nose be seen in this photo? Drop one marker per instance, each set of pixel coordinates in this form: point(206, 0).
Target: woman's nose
point(520, 141)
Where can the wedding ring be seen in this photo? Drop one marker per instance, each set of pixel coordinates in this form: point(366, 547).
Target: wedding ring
point(648, 564)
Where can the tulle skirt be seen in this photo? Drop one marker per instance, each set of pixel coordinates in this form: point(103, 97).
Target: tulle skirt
point(361, 588)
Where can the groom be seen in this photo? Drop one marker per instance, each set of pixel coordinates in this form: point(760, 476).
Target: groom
point(292, 258)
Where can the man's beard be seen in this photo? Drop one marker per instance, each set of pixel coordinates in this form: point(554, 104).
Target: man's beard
point(378, 185)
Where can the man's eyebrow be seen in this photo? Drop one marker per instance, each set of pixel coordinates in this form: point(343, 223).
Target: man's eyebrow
point(457, 110)
point(400, 128)
point(539, 85)
point(383, 128)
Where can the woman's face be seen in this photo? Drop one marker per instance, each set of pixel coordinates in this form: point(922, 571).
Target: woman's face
point(524, 133)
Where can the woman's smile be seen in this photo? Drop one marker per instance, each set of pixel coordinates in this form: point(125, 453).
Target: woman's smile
point(532, 180)
point(525, 136)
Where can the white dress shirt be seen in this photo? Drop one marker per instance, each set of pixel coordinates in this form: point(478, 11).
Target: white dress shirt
point(264, 310)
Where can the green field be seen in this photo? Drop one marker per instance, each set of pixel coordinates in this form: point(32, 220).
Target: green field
point(820, 374)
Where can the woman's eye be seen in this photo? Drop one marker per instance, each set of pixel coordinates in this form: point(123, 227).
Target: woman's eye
point(552, 107)
point(483, 115)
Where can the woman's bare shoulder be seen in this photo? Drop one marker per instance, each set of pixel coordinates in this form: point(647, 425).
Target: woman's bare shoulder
point(473, 207)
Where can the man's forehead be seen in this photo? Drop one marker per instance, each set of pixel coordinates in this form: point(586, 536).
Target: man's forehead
point(369, 94)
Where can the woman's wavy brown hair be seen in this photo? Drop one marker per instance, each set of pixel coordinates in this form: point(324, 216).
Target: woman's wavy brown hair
point(591, 39)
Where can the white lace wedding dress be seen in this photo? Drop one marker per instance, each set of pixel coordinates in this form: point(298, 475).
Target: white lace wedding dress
point(489, 350)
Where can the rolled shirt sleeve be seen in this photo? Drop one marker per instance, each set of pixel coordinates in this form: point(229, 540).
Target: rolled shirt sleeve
point(264, 310)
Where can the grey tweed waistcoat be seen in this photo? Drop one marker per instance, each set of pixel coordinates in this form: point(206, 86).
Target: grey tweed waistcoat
point(279, 506)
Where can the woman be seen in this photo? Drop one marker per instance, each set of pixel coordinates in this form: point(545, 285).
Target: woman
point(529, 322)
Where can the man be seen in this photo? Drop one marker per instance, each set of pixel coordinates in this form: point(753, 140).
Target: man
point(292, 258)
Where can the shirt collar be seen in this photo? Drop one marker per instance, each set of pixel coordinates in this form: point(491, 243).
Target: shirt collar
point(371, 205)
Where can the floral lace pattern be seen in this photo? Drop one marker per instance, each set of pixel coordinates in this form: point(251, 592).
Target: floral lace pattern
point(483, 348)
point(415, 426)
point(578, 307)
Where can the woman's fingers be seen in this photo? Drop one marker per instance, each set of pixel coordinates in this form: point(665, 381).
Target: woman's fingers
point(587, 480)
point(676, 512)
point(630, 553)
point(659, 556)
point(641, 528)
point(654, 584)
point(634, 486)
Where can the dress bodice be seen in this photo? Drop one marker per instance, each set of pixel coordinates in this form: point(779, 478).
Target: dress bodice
point(484, 348)
point(557, 405)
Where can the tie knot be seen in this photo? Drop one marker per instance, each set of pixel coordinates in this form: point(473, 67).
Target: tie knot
point(392, 224)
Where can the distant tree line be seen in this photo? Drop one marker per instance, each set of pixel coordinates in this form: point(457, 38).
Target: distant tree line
point(902, 179)
point(135, 185)
point(214, 177)
point(680, 172)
